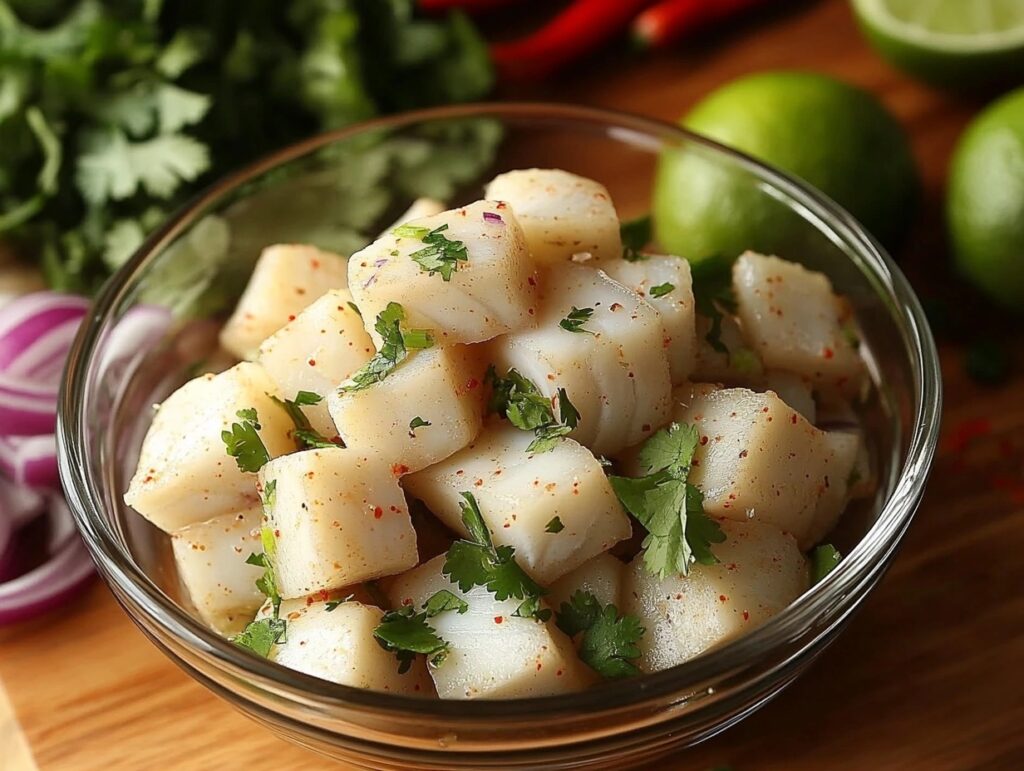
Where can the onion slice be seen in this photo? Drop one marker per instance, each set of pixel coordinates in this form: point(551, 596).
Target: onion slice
point(19, 505)
point(30, 460)
point(34, 330)
point(48, 586)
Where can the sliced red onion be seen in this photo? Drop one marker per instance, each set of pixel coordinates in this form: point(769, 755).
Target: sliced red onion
point(48, 586)
point(31, 318)
point(135, 334)
point(30, 460)
point(6, 545)
point(26, 409)
point(19, 505)
point(493, 218)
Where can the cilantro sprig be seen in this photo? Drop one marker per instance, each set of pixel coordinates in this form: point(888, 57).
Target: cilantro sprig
point(713, 295)
point(261, 635)
point(407, 632)
point(306, 437)
point(518, 399)
point(554, 525)
point(609, 641)
point(576, 319)
point(478, 562)
point(242, 441)
point(417, 422)
point(396, 343)
point(636, 234)
point(678, 531)
point(440, 255)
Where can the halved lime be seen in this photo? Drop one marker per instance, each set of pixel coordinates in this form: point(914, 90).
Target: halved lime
point(951, 43)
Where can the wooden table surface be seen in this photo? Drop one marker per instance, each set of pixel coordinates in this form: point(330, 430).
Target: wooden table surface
point(929, 676)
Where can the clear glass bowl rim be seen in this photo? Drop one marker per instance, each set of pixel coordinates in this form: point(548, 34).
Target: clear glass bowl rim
point(841, 589)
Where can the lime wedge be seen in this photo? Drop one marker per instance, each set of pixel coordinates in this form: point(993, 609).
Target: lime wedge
point(950, 43)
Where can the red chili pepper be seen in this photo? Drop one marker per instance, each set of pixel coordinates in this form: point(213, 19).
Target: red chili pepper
point(469, 6)
point(670, 20)
point(577, 30)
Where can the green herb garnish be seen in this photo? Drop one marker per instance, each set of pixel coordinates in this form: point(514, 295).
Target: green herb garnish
point(609, 641)
point(660, 290)
point(477, 562)
point(678, 531)
point(576, 319)
point(395, 346)
point(824, 559)
point(554, 526)
point(262, 635)
point(417, 422)
point(406, 631)
point(244, 444)
point(636, 234)
point(331, 605)
point(306, 437)
point(440, 255)
point(521, 402)
point(713, 295)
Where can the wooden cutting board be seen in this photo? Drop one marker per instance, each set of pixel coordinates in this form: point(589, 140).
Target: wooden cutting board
point(929, 676)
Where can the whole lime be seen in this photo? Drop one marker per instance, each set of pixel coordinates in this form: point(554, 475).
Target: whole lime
point(985, 201)
point(835, 136)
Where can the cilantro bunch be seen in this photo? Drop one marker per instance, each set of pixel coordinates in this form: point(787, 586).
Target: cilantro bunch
point(114, 112)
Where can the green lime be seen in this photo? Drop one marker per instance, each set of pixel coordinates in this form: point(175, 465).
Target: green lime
point(951, 43)
point(985, 201)
point(836, 137)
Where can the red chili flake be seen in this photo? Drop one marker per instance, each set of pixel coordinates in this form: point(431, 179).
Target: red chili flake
point(645, 427)
point(743, 453)
point(291, 317)
point(378, 512)
point(314, 263)
point(531, 281)
point(722, 598)
point(472, 383)
point(793, 419)
point(828, 353)
point(746, 615)
point(558, 673)
point(967, 431)
point(397, 469)
point(312, 362)
point(277, 534)
point(498, 619)
point(703, 441)
point(539, 666)
point(616, 306)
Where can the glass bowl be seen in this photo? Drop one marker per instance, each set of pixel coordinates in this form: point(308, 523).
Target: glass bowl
point(154, 326)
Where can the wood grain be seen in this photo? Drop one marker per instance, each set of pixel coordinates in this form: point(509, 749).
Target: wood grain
point(930, 674)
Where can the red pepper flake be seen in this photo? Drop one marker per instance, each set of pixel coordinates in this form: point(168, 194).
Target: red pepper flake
point(397, 469)
point(315, 263)
point(277, 534)
point(291, 317)
point(539, 666)
point(722, 598)
point(645, 427)
point(616, 306)
point(703, 441)
point(531, 281)
point(472, 383)
point(312, 362)
point(793, 419)
point(743, 453)
point(828, 353)
point(746, 615)
point(498, 619)
point(967, 431)
point(378, 512)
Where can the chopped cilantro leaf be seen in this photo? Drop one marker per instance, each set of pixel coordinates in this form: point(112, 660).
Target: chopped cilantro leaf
point(636, 234)
point(660, 290)
point(477, 562)
point(444, 600)
point(440, 255)
point(671, 509)
point(355, 307)
point(394, 348)
point(333, 604)
point(417, 422)
point(824, 559)
point(609, 641)
point(306, 437)
point(269, 494)
point(261, 636)
point(406, 631)
point(713, 295)
point(243, 443)
point(521, 402)
point(576, 319)
point(554, 525)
